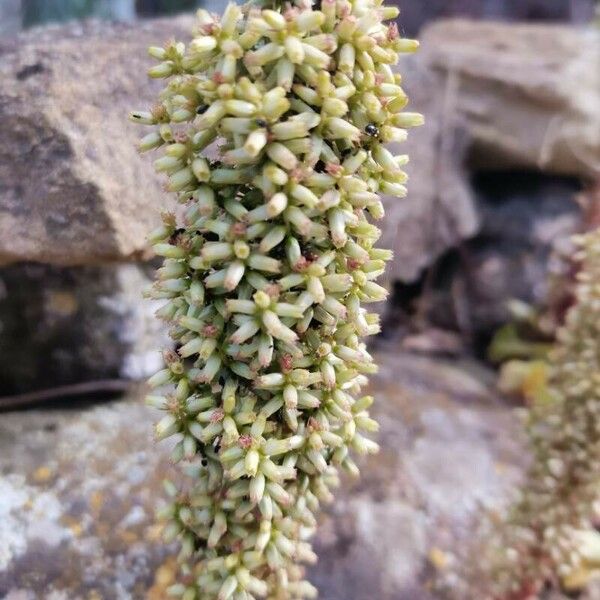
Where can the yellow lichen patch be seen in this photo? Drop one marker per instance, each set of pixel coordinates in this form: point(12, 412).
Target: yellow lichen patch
point(438, 558)
point(42, 474)
point(535, 383)
point(500, 468)
point(62, 303)
point(154, 532)
point(74, 525)
point(526, 379)
point(129, 537)
point(104, 530)
point(579, 578)
point(96, 501)
point(163, 578)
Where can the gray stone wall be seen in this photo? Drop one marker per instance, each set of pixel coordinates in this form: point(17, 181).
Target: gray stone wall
point(10, 16)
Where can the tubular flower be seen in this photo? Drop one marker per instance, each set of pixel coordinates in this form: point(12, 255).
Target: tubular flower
point(266, 271)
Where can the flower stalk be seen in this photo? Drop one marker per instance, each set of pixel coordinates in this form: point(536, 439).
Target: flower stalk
point(549, 536)
point(266, 272)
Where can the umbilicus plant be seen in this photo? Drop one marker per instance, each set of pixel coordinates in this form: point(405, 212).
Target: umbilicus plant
point(267, 268)
point(549, 536)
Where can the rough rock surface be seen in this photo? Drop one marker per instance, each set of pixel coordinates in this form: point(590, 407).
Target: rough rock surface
point(495, 97)
point(65, 325)
point(416, 13)
point(525, 234)
point(528, 95)
point(78, 489)
point(10, 16)
point(72, 188)
point(525, 228)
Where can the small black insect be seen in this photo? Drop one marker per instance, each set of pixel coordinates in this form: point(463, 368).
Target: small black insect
point(201, 109)
point(176, 234)
point(371, 130)
point(320, 167)
point(261, 122)
point(278, 252)
point(211, 236)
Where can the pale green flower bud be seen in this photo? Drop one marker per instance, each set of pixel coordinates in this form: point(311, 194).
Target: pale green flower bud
point(408, 120)
point(168, 164)
point(396, 105)
point(157, 52)
point(279, 154)
point(203, 44)
point(340, 128)
point(201, 169)
point(245, 332)
point(211, 117)
point(214, 251)
point(255, 142)
point(240, 108)
point(166, 427)
point(294, 49)
point(346, 59)
point(267, 53)
point(393, 189)
point(237, 125)
point(393, 134)
point(230, 18)
point(309, 20)
point(149, 142)
point(264, 263)
point(406, 46)
point(168, 251)
point(335, 107)
point(164, 69)
point(307, 94)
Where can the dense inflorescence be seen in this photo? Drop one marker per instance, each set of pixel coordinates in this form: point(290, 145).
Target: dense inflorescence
point(548, 535)
point(265, 275)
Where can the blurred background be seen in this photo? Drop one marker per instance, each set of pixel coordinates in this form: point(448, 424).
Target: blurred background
point(505, 171)
point(22, 14)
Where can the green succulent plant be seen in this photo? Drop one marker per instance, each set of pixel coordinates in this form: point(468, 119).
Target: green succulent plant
point(267, 268)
